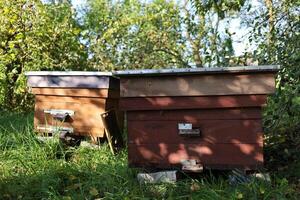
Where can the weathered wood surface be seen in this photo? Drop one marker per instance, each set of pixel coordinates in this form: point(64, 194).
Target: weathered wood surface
point(75, 92)
point(229, 137)
point(95, 105)
point(195, 115)
point(87, 118)
point(225, 107)
point(212, 131)
point(65, 81)
point(216, 156)
point(94, 132)
point(188, 102)
point(198, 85)
point(88, 94)
point(47, 99)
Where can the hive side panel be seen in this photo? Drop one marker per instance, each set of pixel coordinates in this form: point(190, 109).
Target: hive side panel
point(114, 83)
point(82, 108)
point(71, 99)
point(75, 92)
point(195, 114)
point(77, 120)
point(198, 85)
point(188, 102)
point(86, 118)
point(216, 156)
point(228, 137)
point(113, 104)
point(212, 131)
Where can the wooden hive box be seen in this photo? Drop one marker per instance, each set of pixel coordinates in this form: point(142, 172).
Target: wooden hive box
point(209, 116)
point(84, 96)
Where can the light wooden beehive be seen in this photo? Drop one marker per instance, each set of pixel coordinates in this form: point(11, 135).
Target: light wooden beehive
point(85, 95)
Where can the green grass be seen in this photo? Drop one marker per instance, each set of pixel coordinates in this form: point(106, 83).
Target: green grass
point(30, 169)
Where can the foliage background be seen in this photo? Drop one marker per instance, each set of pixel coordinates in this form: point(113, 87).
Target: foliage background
point(131, 34)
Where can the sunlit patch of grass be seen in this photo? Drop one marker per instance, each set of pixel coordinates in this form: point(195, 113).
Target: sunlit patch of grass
point(30, 169)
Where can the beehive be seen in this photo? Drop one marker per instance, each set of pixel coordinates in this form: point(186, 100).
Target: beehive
point(82, 96)
point(210, 116)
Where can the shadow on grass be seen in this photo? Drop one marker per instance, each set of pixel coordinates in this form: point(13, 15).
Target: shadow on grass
point(33, 170)
point(84, 178)
point(92, 174)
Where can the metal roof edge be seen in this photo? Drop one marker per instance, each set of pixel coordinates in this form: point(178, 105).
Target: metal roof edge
point(206, 70)
point(67, 73)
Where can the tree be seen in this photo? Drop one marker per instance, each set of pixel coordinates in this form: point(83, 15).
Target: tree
point(275, 33)
point(210, 45)
point(130, 34)
point(35, 36)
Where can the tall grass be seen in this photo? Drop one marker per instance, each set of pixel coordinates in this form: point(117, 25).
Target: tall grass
point(30, 169)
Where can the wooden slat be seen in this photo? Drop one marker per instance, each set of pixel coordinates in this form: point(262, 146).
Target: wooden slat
point(195, 114)
point(80, 127)
point(66, 101)
point(70, 99)
point(163, 155)
point(198, 85)
point(169, 103)
point(212, 131)
point(88, 120)
point(77, 92)
point(87, 114)
point(97, 106)
point(80, 130)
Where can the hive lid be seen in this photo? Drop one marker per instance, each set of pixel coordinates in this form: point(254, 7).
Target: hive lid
point(67, 73)
point(205, 70)
point(72, 79)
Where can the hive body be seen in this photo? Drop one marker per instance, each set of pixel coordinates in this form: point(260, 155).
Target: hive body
point(88, 94)
point(213, 117)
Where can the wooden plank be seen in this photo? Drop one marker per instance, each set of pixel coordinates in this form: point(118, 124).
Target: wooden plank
point(164, 155)
point(89, 104)
point(65, 81)
point(86, 114)
point(76, 92)
point(112, 130)
point(198, 85)
point(212, 131)
point(79, 130)
point(89, 120)
point(195, 114)
point(170, 103)
point(67, 99)
point(79, 103)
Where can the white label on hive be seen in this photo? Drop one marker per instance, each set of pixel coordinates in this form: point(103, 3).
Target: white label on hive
point(185, 126)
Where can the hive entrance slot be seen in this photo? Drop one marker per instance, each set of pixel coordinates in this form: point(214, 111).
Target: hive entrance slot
point(55, 129)
point(60, 115)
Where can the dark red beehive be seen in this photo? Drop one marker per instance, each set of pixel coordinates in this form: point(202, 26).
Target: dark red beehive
point(210, 115)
